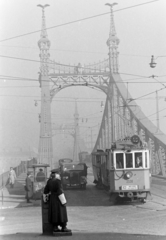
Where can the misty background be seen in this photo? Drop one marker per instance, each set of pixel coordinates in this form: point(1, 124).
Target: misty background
point(142, 33)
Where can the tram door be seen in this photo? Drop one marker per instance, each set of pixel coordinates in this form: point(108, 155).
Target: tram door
point(98, 168)
point(105, 169)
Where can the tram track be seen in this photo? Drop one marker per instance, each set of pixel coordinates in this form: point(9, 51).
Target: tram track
point(152, 200)
point(159, 196)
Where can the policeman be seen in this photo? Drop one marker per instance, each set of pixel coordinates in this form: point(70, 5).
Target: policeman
point(57, 212)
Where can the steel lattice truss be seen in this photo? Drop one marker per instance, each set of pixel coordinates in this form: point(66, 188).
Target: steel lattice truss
point(127, 120)
point(63, 81)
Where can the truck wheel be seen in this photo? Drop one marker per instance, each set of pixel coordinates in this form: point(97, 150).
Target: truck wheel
point(143, 200)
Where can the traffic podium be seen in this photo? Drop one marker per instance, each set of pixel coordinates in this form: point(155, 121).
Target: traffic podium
point(47, 228)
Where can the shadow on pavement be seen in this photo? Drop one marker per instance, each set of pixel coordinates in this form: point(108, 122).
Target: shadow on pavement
point(85, 236)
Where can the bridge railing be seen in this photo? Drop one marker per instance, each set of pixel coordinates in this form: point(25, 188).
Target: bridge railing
point(58, 68)
point(21, 168)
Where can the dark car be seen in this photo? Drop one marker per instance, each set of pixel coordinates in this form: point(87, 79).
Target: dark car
point(74, 175)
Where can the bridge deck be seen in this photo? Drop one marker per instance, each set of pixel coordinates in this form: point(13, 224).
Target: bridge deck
point(15, 197)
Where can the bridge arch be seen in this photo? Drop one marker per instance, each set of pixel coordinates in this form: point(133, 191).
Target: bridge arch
point(54, 91)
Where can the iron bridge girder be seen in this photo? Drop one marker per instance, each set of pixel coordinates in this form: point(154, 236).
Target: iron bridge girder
point(93, 81)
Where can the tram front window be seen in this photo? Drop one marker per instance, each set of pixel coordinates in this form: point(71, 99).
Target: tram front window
point(146, 160)
point(138, 160)
point(129, 160)
point(119, 161)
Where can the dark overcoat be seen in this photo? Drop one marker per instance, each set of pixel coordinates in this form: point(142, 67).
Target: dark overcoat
point(57, 213)
point(29, 191)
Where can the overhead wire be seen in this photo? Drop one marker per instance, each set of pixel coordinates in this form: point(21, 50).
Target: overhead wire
point(153, 114)
point(141, 82)
point(75, 21)
point(79, 51)
point(149, 94)
point(8, 78)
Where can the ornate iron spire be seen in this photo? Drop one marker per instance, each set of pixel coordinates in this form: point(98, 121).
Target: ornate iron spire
point(44, 44)
point(45, 140)
point(113, 42)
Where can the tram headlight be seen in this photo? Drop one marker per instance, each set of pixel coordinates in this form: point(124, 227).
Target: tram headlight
point(128, 175)
point(65, 177)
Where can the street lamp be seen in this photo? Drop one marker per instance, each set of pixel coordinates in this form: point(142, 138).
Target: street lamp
point(152, 63)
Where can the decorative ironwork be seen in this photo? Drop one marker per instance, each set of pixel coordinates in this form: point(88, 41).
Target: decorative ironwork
point(122, 117)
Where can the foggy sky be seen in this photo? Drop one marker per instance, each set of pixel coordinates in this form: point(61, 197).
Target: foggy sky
point(142, 33)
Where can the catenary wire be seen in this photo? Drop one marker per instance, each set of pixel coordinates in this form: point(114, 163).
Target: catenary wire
point(83, 19)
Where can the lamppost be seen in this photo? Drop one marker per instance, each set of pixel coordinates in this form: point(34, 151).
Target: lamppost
point(153, 63)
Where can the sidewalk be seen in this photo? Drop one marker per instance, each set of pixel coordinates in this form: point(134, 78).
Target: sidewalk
point(15, 197)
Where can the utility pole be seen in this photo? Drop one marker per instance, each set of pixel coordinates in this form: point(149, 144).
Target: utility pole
point(157, 111)
point(91, 141)
point(76, 134)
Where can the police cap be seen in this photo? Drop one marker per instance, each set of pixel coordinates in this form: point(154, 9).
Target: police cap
point(56, 170)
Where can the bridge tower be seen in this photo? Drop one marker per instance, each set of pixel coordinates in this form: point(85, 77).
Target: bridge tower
point(113, 42)
point(113, 53)
point(76, 134)
point(45, 142)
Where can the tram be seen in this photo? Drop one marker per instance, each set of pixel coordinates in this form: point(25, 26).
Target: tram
point(124, 169)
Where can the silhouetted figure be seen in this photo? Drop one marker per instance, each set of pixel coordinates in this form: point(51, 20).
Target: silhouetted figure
point(57, 212)
point(40, 177)
point(138, 163)
point(28, 187)
point(118, 164)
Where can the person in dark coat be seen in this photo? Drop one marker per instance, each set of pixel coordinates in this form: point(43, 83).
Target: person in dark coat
point(57, 212)
point(28, 187)
point(40, 177)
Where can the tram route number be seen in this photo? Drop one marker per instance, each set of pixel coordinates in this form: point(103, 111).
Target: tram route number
point(129, 187)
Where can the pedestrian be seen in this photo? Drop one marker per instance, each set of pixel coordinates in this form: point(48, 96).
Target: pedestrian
point(28, 187)
point(57, 212)
point(40, 177)
point(12, 177)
